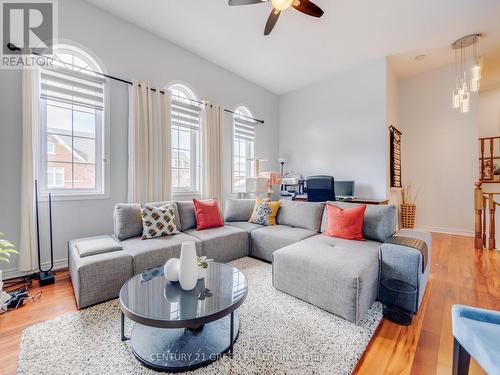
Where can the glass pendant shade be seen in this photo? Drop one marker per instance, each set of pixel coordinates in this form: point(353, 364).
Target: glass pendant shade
point(476, 71)
point(282, 4)
point(455, 99)
point(474, 85)
point(467, 71)
point(464, 106)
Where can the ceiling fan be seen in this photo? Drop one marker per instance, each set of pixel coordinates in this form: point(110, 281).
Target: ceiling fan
point(304, 6)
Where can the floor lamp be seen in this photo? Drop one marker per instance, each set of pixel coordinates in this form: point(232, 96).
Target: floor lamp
point(45, 277)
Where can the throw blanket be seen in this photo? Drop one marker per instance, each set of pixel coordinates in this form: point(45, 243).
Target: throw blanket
point(414, 243)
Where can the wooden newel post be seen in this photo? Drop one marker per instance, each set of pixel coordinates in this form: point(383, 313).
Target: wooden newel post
point(478, 207)
point(492, 206)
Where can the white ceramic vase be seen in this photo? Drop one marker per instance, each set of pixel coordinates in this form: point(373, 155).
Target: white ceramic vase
point(201, 272)
point(171, 269)
point(188, 266)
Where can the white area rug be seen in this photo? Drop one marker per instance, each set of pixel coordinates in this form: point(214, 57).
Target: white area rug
point(279, 334)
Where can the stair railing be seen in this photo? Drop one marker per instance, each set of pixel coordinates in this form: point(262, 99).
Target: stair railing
point(485, 209)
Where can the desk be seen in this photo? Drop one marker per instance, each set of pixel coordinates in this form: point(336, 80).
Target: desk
point(303, 198)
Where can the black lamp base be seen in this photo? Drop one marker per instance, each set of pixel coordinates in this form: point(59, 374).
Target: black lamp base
point(46, 278)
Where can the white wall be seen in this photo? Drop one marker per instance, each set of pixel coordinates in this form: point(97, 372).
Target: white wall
point(489, 113)
point(439, 151)
point(129, 52)
point(338, 127)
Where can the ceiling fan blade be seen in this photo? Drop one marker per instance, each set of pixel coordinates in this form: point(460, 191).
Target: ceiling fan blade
point(307, 7)
point(246, 2)
point(271, 21)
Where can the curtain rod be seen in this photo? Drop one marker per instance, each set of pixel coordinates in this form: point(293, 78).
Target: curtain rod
point(14, 48)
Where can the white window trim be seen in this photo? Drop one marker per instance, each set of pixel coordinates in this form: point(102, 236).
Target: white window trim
point(103, 144)
point(195, 152)
point(248, 160)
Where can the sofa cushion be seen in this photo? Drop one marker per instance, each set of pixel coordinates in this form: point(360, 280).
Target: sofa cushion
point(305, 215)
point(97, 245)
point(245, 225)
point(186, 215)
point(345, 222)
point(207, 214)
point(379, 223)
point(222, 244)
point(238, 209)
point(128, 220)
point(265, 240)
point(158, 221)
point(338, 275)
point(156, 251)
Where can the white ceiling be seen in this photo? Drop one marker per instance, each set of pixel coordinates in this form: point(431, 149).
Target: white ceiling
point(303, 49)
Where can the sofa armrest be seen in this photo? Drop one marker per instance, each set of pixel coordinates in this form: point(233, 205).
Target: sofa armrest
point(406, 263)
point(419, 234)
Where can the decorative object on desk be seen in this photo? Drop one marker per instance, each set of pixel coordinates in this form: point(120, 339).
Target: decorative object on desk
point(6, 250)
point(158, 221)
point(202, 266)
point(274, 181)
point(395, 151)
point(188, 266)
point(408, 207)
point(256, 185)
point(171, 269)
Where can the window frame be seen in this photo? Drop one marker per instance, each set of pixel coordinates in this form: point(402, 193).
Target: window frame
point(102, 141)
point(250, 148)
point(195, 139)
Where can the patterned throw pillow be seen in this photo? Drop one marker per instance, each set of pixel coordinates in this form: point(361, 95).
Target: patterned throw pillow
point(261, 214)
point(274, 206)
point(157, 221)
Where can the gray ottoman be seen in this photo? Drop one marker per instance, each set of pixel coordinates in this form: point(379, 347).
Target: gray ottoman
point(98, 275)
point(337, 275)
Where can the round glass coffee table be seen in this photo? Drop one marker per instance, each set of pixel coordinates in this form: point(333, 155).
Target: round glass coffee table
point(178, 330)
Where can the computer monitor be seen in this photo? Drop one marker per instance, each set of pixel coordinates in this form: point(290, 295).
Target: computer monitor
point(344, 189)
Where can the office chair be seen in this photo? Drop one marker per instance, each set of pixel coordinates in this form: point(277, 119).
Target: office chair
point(320, 188)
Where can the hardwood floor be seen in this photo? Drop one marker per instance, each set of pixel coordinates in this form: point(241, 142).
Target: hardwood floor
point(459, 274)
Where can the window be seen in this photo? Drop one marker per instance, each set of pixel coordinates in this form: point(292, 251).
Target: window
point(72, 104)
point(55, 177)
point(51, 148)
point(243, 148)
point(185, 139)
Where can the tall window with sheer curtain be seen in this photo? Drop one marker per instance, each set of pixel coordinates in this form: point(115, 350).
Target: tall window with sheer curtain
point(71, 139)
point(185, 140)
point(243, 148)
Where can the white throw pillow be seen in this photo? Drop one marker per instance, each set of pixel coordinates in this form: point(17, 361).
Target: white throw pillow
point(158, 221)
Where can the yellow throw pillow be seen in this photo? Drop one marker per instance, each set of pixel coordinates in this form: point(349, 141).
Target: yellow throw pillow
point(275, 206)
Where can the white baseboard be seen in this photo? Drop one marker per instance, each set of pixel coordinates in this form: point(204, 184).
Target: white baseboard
point(459, 232)
point(13, 272)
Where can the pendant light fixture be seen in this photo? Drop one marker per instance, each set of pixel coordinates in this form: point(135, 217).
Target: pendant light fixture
point(467, 71)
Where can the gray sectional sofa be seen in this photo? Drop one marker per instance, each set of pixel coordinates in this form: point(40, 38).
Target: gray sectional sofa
point(340, 276)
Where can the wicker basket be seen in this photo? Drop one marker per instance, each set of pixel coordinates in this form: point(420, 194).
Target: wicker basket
point(408, 215)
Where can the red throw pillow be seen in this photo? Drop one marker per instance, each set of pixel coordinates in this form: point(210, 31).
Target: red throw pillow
point(345, 222)
point(207, 214)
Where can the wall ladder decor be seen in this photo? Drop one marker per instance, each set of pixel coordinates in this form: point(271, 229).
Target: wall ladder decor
point(395, 157)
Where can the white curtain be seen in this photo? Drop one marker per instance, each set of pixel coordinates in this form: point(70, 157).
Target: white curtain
point(150, 147)
point(28, 257)
point(212, 152)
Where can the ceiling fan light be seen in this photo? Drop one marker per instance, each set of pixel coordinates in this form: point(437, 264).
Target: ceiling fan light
point(282, 4)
